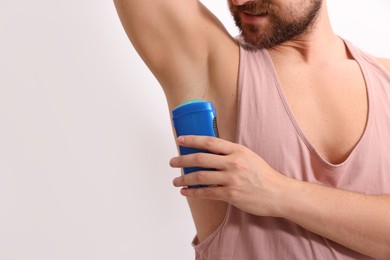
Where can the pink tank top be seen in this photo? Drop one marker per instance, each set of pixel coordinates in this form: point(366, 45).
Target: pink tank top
point(267, 126)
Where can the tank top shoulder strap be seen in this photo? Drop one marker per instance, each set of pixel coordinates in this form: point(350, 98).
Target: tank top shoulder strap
point(254, 69)
point(370, 61)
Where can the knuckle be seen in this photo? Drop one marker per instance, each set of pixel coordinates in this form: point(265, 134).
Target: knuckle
point(178, 160)
point(240, 149)
point(210, 142)
point(199, 158)
point(182, 180)
point(185, 140)
point(190, 140)
point(200, 177)
point(237, 164)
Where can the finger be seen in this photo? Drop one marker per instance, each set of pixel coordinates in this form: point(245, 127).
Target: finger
point(209, 143)
point(212, 193)
point(203, 160)
point(201, 178)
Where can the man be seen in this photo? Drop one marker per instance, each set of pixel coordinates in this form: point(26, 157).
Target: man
point(303, 163)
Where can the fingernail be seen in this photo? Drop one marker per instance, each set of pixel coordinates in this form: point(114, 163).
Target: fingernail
point(176, 181)
point(184, 191)
point(172, 161)
point(180, 139)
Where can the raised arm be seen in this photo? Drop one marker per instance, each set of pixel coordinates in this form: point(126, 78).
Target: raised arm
point(175, 38)
point(192, 56)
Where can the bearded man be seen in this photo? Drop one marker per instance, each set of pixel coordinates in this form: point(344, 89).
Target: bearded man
point(302, 168)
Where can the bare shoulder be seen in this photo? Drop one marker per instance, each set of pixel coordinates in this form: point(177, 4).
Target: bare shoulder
point(385, 62)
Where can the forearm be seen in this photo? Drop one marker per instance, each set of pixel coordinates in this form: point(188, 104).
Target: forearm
point(357, 221)
point(243, 179)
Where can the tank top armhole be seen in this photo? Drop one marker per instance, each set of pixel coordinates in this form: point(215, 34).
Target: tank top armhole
point(207, 242)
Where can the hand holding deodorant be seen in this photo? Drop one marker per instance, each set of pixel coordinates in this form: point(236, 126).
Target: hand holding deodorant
point(195, 117)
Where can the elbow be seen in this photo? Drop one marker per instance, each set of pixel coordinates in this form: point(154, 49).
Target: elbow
point(118, 3)
point(120, 6)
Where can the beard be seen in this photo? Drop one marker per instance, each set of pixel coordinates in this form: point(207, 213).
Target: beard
point(280, 27)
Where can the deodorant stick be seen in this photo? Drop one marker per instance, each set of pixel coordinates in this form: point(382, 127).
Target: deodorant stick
point(195, 117)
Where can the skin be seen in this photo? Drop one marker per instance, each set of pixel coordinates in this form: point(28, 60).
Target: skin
point(192, 56)
point(281, 25)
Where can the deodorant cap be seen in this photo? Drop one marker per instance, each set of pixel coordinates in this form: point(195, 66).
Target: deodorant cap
point(192, 106)
point(195, 117)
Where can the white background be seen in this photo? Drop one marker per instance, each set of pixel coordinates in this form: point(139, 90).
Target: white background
point(85, 135)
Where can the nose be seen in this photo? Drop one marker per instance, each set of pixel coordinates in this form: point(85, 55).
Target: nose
point(240, 2)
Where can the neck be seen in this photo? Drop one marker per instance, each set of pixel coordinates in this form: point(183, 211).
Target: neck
point(317, 45)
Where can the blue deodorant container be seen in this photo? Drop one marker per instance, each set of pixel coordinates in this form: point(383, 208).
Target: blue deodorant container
point(195, 117)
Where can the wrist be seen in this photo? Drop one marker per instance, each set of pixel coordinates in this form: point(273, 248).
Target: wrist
point(287, 196)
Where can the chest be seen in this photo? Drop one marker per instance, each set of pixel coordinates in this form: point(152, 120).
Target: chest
point(329, 104)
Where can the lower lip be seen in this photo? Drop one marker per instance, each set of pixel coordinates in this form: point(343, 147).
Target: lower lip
point(253, 19)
